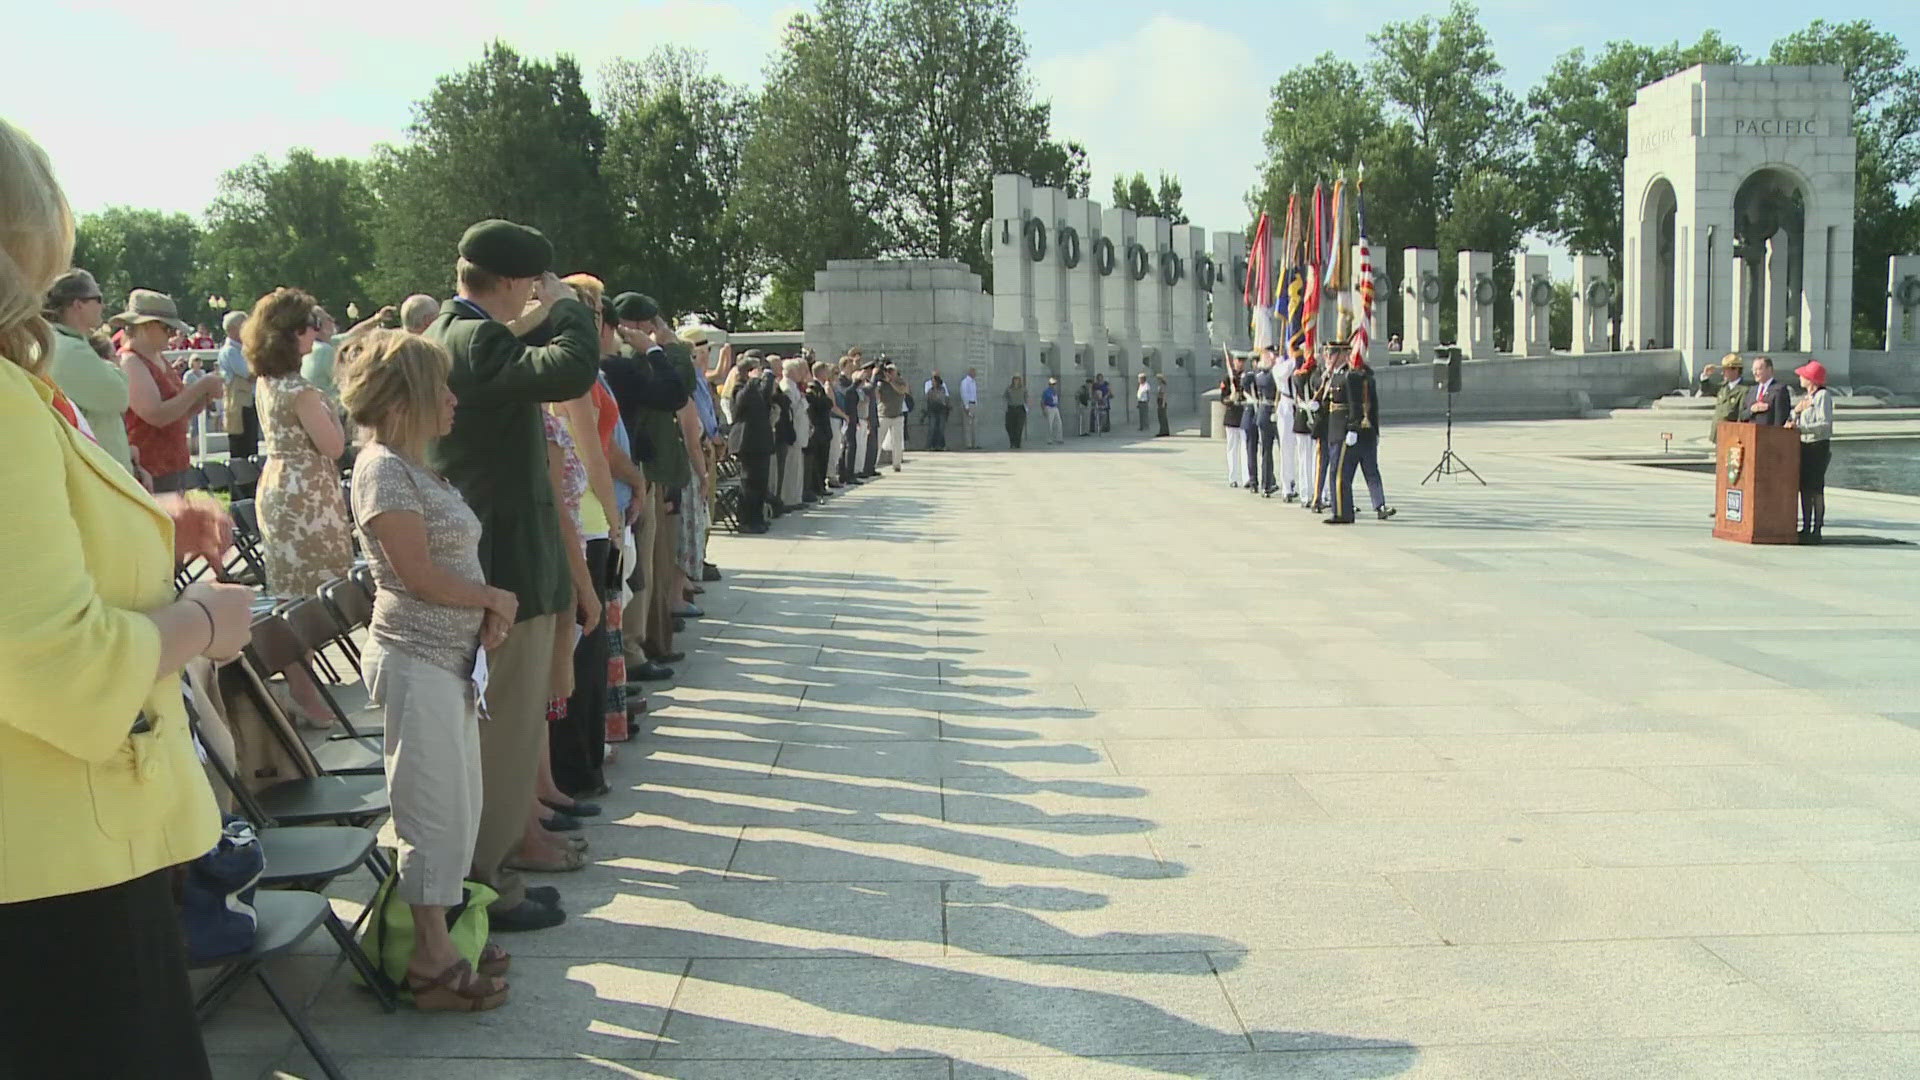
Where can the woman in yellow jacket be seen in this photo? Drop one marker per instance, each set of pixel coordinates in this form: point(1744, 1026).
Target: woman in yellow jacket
point(101, 791)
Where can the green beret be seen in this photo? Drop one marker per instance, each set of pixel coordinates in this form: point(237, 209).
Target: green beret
point(506, 249)
point(635, 307)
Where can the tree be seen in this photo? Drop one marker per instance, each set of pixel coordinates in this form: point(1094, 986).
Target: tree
point(127, 248)
point(1135, 194)
point(306, 222)
point(953, 77)
point(1578, 115)
point(1440, 76)
point(1484, 218)
point(509, 138)
point(672, 163)
point(1886, 125)
point(809, 189)
point(1560, 316)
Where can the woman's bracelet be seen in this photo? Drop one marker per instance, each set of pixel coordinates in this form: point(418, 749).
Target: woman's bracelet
point(212, 631)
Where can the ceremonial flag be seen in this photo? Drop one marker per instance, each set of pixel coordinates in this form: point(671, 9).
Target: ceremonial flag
point(1363, 277)
point(1259, 259)
point(1310, 307)
point(1337, 256)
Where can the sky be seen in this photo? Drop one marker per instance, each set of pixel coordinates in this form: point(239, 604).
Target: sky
point(1145, 85)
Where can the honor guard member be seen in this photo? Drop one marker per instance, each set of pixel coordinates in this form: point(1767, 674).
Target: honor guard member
point(1266, 398)
point(1733, 390)
point(1313, 396)
point(1232, 415)
point(1342, 434)
point(1363, 437)
point(1250, 425)
point(1286, 418)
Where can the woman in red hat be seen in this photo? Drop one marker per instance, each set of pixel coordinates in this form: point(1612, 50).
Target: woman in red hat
point(1813, 418)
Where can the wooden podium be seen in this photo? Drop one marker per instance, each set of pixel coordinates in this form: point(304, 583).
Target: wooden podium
point(1756, 484)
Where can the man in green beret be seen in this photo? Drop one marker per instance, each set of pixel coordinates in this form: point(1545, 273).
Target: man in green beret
point(496, 455)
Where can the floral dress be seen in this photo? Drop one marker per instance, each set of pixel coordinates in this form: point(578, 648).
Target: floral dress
point(306, 538)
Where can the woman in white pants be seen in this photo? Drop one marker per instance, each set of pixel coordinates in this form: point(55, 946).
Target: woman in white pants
point(432, 614)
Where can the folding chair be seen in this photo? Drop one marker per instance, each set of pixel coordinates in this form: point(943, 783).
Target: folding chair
point(219, 476)
point(362, 575)
point(311, 857)
point(276, 647)
point(314, 623)
point(246, 474)
point(317, 630)
point(285, 919)
point(247, 561)
point(352, 609)
point(352, 796)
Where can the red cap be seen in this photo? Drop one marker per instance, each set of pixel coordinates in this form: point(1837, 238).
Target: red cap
point(1813, 371)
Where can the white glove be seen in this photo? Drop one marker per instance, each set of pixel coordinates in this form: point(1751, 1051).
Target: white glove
point(1313, 407)
point(1353, 438)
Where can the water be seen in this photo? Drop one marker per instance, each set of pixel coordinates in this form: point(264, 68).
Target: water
point(1890, 465)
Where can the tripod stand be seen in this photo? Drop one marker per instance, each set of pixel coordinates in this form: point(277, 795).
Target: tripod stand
point(1451, 464)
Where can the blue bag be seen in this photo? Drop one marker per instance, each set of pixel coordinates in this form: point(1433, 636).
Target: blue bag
point(216, 894)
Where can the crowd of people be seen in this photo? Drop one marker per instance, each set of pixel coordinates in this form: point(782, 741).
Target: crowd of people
point(1302, 427)
point(531, 491)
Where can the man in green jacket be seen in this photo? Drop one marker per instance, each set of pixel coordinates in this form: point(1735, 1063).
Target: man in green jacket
point(97, 387)
point(1726, 403)
point(496, 455)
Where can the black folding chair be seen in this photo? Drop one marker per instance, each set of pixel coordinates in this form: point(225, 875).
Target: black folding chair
point(352, 609)
point(246, 475)
point(285, 919)
point(247, 565)
point(277, 647)
point(219, 475)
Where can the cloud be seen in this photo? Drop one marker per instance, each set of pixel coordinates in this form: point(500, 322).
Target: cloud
point(1171, 96)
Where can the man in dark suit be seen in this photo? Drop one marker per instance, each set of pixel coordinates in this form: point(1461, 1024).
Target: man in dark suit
point(496, 455)
point(1770, 404)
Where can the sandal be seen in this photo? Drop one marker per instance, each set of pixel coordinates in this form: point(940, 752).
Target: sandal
point(494, 961)
point(456, 989)
point(570, 861)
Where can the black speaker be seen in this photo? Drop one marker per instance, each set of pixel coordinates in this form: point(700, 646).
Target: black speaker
point(1446, 369)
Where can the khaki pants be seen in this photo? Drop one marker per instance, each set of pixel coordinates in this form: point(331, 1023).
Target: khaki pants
point(432, 754)
point(512, 738)
point(663, 593)
point(634, 617)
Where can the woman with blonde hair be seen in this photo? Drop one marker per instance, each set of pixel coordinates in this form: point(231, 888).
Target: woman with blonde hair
point(104, 790)
point(431, 614)
point(306, 539)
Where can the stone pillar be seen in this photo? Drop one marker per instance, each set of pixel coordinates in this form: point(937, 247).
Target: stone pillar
point(1012, 270)
point(1188, 305)
point(1085, 310)
point(1420, 296)
point(1156, 320)
point(1119, 296)
point(1474, 304)
point(1903, 318)
point(1231, 323)
point(1531, 286)
point(1775, 325)
point(1592, 295)
point(1052, 310)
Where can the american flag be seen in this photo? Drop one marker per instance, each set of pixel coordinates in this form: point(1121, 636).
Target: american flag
point(1363, 278)
point(1259, 260)
point(1316, 254)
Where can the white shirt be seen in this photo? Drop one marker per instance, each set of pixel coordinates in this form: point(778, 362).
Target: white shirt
point(1145, 392)
point(969, 393)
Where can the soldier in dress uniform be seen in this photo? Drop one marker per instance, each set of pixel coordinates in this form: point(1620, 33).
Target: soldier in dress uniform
point(1362, 449)
point(1266, 400)
point(1250, 424)
point(1335, 445)
point(1312, 397)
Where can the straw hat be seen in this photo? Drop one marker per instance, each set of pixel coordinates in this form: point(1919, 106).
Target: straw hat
point(145, 305)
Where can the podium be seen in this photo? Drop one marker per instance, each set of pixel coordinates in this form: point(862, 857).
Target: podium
point(1756, 482)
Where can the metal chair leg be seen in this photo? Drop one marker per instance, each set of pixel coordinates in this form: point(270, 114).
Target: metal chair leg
point(376, 980)
point(298, 1021)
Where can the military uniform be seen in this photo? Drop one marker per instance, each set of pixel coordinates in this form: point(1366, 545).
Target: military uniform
point(1726, 405)
point(1266, 398)
point(1335, 408)
point(1363, 419)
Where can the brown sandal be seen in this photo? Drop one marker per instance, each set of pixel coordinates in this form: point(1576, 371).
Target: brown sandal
point(494, 961)
point(456, 989)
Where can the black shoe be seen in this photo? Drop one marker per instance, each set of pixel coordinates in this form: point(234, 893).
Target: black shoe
point(691, 611)
point(1336, 521)
point(649, 672)
point(679, 624)
point(1812, 537)
point(754, 530)
point(561, 823)
point(1233, 483)
point(576, 809)
point(1291, 496)
point(544, 894)
point(667, 658)
point(709, 572)
point(528, 914)
point(1384, 512)
point(592, 793)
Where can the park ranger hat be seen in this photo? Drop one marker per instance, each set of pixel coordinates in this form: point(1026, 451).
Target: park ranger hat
point(1732, 360)
point(507, 249)
point(145, 305)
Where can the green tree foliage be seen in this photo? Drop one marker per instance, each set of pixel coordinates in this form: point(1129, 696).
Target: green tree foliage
point(1484, 218)
point(809, 187)
point(1886, 124)
point(1160, 199)
point(307, 221)
point(127, 248)
point(507, 137)
point(1578, 115)
point(672, 165)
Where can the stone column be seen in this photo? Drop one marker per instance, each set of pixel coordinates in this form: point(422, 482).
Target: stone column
point(1420, 302)
point(1156, 321)
point(1474, 304)
point(1012, 270)
point(1775, 325)
point(1590, 304)
point(1052, 311)
point(1119, 295)
point(1530, 335)
point(1903, 319)
point(1232, 326)
point(1086, 312)
point(1188, 305)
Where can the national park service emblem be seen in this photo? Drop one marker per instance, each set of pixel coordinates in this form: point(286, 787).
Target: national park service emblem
point(1733, 464)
